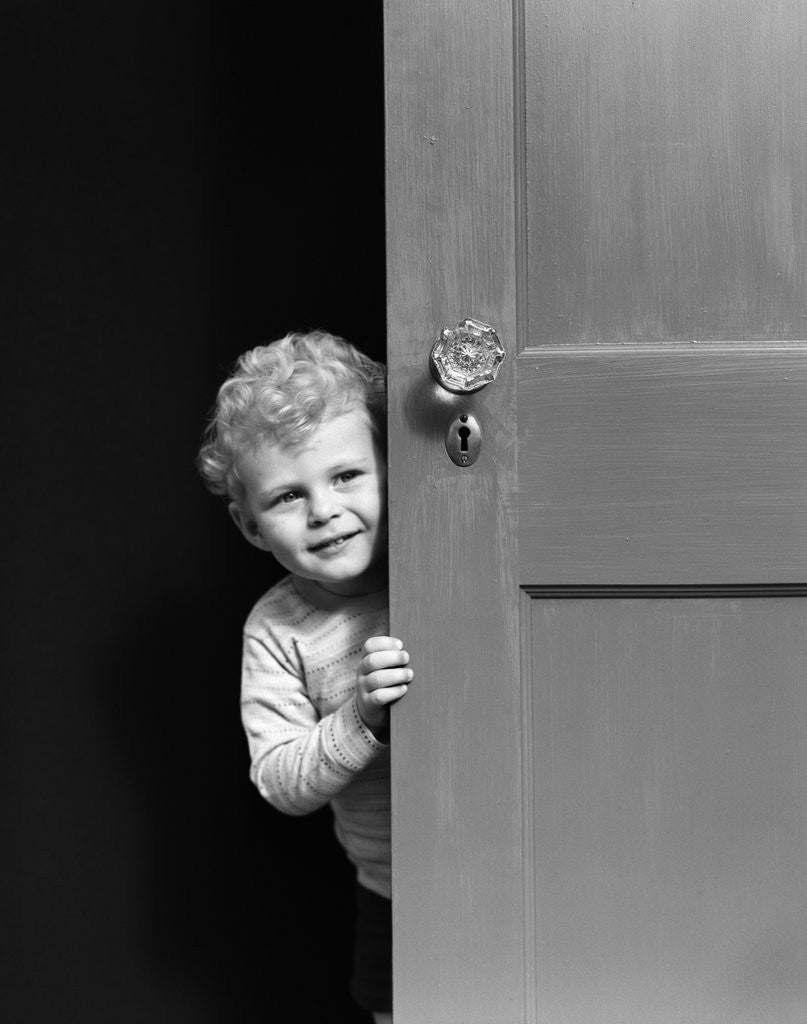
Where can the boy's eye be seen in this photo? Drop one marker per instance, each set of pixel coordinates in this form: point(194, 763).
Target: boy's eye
point(286, 498)
point(348, 475)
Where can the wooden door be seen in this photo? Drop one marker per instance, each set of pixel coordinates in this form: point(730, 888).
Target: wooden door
point(599, 791)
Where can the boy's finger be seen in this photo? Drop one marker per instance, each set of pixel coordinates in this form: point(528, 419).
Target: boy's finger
point(383, 659)
point(391, 693)
point(382, 643)
point(389, 677)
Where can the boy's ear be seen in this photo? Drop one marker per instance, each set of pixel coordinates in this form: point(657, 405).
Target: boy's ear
point(246, 524)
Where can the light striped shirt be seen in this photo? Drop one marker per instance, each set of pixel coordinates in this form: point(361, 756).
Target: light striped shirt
point(308, 745)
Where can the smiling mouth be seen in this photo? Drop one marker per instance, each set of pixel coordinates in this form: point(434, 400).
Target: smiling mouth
point(332, 544)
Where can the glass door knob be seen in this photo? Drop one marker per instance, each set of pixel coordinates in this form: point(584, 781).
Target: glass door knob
point(466, 356)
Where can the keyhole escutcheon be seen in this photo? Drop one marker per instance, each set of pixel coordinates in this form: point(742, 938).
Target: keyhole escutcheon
point(464, 440)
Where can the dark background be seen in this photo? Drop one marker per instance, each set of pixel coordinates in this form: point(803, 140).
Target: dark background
point(178, 182)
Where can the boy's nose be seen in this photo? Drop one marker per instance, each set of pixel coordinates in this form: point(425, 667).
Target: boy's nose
point(322, 508)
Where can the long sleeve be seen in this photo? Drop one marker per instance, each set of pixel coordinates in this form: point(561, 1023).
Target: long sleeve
point(299, 759)
point(308, 746)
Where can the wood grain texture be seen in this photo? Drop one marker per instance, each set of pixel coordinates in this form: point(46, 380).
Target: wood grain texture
point(667, 170)
point(670, 809)
point(641, 187)
point(457, 812)
point(674, 465)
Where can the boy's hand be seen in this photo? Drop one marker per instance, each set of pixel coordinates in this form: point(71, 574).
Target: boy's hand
point(382, 679)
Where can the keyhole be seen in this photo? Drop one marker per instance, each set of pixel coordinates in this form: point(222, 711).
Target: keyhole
point(463, 440)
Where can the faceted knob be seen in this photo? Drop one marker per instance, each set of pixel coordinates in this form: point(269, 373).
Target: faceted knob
point(466, 356)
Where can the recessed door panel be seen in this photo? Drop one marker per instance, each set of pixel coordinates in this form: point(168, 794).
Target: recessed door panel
point(669, 835)
point(667, 196)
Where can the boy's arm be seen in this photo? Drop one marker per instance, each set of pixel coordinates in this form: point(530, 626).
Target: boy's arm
point(299, 761)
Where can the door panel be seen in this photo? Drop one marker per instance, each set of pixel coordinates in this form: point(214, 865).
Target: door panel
point(669, 739)
point(676, 465)
point(667, 170)
point(599, 773)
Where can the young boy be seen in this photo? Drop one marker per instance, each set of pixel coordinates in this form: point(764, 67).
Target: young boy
point(297, 445)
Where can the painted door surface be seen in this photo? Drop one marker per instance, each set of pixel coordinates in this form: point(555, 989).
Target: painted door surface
point(599, 789)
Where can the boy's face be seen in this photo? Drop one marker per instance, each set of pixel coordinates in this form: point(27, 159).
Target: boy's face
point(320, 506)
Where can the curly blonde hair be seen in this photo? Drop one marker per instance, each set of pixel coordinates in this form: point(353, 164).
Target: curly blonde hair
point(280, 392)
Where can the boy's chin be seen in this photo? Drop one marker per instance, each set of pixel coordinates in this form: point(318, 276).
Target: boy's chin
point(367, 582)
